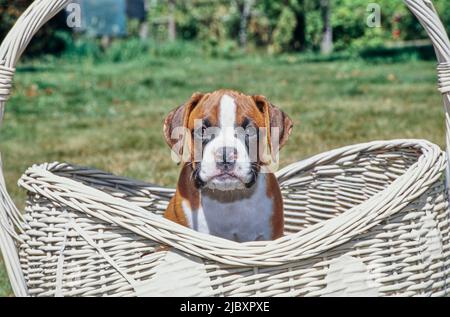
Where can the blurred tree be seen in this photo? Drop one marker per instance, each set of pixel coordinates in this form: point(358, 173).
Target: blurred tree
point(171, 26)
point(245, 9)
point(283, 34)
point(301, 9)
point(287, 23)
point(326, 46)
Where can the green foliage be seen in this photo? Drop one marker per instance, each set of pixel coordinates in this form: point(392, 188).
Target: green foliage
point(174, 49)
point(133, 26)
point(444, 13)
point(79, 48)
point(214, 25)
point(314, 31)
point(383, 54)
point(276, 26)
point(285, 26)
point(349, 20)
point(123, 50)
point(284, 30)
point(225, 48)
point(398, 24)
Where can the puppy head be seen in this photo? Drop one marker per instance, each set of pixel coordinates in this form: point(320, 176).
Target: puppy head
point(227, 137)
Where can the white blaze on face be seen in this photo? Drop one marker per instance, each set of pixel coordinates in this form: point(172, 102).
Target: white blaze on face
point(227, 117)
point(226, 138)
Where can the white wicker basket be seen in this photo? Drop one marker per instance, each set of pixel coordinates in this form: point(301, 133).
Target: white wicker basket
point(368, 219)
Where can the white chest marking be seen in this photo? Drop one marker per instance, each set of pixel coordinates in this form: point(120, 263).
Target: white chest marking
point(247, 219)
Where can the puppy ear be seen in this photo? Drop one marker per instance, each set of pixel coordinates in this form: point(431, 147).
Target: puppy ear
point(176, 123)
point(279, 125)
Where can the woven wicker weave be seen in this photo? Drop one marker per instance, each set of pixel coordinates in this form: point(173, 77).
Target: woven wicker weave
point(368, 219)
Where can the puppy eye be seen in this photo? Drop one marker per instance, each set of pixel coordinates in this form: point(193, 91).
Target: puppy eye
point(202, 134)
point(199, 133)
point(250, 131)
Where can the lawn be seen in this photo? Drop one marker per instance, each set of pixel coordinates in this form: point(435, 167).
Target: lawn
point(109, 115)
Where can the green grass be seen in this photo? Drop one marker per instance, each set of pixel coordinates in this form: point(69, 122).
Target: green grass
point(110, 115)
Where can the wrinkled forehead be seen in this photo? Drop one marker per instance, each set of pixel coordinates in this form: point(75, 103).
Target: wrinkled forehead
point(227, 110)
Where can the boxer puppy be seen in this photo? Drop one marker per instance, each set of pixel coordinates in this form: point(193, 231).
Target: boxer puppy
point(226, 142)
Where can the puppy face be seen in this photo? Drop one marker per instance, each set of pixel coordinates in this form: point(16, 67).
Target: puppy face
point(227, 137)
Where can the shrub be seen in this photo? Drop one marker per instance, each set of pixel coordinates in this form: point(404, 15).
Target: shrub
point(284, 31)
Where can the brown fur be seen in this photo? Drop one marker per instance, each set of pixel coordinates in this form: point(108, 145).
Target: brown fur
point(274, 192)
point(186, 191)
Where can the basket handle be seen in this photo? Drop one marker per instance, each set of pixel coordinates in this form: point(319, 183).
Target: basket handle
point(428, 17)
point(14, 44)
point(40, 11)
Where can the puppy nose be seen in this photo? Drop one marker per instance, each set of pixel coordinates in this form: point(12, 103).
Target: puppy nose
point(226, 157)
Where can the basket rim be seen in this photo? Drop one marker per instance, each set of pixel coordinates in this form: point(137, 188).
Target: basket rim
point(309, 242)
